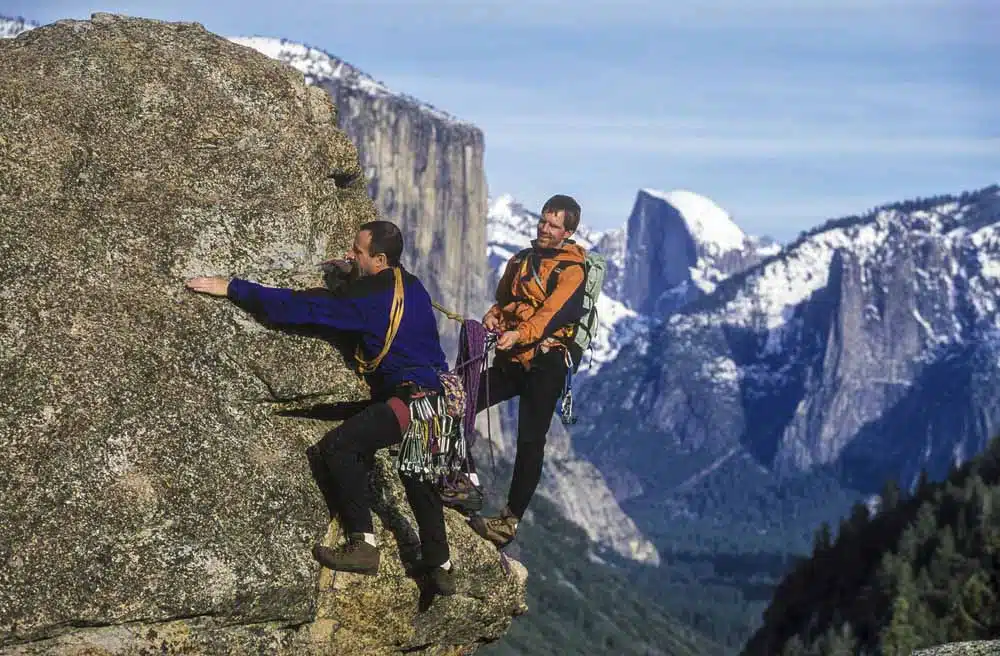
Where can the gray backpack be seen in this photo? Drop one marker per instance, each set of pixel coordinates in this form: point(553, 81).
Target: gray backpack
point(594, 269)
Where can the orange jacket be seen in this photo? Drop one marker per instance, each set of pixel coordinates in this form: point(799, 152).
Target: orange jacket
point(527, 300)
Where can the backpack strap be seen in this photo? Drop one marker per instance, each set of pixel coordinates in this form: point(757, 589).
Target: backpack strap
point(395, 318)
point(554, 276)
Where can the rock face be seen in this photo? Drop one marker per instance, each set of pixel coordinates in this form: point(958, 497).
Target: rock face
point(425, 171)
point(149, 495)
point(974, 648)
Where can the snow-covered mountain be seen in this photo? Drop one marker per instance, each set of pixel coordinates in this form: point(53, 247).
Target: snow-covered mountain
point(869, 344)
point(319, 66)
point(680, 245)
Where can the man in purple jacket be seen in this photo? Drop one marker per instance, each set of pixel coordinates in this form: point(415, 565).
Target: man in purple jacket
point(365, 308)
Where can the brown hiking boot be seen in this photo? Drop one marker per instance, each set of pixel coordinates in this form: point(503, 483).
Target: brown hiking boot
point(460, 493)
point(356, 556)
point(498, 530)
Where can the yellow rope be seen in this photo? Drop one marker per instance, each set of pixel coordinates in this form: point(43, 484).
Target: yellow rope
point(395, 317)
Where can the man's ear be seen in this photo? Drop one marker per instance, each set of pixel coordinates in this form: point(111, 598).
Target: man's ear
point(382, 260)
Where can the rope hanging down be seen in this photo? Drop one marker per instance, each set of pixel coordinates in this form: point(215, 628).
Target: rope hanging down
point(471, 363)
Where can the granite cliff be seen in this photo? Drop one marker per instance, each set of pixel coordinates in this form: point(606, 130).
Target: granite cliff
point(150, 496)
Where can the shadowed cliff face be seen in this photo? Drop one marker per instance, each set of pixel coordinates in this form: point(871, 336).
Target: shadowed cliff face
point(149, 495)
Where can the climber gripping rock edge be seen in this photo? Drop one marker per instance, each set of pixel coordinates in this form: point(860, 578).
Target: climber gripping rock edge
point(411, 389)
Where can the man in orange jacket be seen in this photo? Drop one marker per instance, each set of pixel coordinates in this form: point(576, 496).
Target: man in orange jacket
point(538, 301)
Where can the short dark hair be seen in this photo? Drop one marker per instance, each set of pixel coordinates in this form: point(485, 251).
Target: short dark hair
point(386, 239)
point(567, 204)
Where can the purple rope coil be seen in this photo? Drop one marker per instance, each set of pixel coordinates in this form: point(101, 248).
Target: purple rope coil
point(469, 365)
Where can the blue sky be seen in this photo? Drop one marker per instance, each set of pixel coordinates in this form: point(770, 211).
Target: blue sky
point(785, 112)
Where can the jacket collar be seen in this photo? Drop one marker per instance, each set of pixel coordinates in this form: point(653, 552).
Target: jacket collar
point(553, 252)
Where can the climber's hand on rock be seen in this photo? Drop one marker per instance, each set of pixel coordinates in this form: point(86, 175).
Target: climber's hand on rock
point(507, 340)
point(211, 285)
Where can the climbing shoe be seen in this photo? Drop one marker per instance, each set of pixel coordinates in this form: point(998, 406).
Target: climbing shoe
point(442, 580)
point(355, 556)
point(498, 530)
point(462, 494)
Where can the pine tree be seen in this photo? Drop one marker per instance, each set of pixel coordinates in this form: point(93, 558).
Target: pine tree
point(890, 495)
point(923, 484)
point(822, 538)
point(838, 642)
point(944, 560)
point(900, 638)
point(972, 603)
point(794, 647)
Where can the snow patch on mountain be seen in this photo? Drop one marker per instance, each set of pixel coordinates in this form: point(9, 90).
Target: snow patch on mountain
point(318, 65)
point(709, 225)
point(956, 279)
point(11, 27)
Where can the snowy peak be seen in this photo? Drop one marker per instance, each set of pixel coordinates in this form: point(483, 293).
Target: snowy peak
point(935, 262)
point(708, 224)
point(318, 66)
point(11, 27)
point(680, 245)
point(509, 228)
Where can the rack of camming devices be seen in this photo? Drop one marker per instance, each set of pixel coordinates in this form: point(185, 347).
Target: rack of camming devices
point(434, 444)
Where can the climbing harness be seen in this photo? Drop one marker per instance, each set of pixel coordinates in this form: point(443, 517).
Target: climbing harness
point(471, 364)
point(436, 443)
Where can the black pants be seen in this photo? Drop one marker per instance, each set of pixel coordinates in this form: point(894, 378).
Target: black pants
point(348, 453)
point(538, 390)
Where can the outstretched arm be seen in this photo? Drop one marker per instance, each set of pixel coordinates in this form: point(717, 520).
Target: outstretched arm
point(281, 306)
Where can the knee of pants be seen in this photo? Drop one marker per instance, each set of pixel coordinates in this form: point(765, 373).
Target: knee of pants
point(532, 440)
point(334, 444)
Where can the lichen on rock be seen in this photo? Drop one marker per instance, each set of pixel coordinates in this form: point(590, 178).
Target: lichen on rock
point(150, 496)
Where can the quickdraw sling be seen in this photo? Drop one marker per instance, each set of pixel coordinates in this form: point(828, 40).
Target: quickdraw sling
point(434, 445)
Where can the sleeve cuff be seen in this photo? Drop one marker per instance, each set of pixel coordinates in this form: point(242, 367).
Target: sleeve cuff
point(237, 290)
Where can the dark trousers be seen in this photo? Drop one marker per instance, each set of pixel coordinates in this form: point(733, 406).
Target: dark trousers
point(348, 453)
point(538, 390)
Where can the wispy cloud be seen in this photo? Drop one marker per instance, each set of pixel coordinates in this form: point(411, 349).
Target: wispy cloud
point(637, 142)
point(902, 119)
